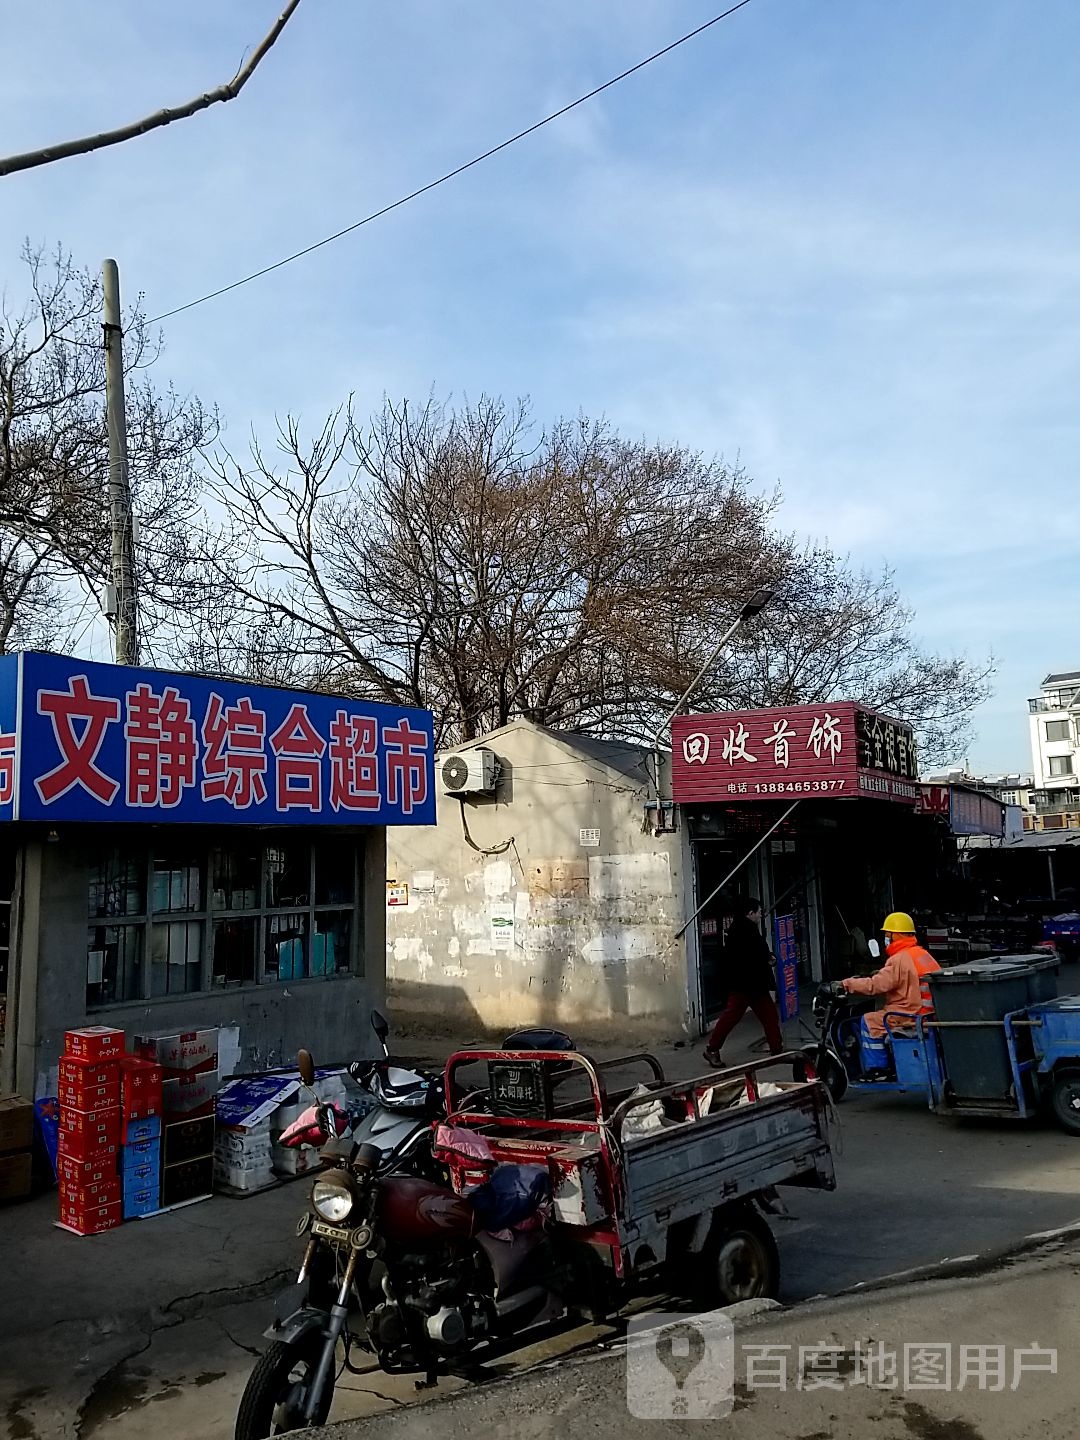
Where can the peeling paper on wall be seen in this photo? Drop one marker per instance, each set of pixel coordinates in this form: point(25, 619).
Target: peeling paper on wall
point(498, 879)
point(228, 1049)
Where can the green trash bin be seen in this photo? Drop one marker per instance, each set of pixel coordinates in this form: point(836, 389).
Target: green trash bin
point(976, 1057)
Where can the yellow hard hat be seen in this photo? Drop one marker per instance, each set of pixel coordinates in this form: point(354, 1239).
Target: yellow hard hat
point(898, 924)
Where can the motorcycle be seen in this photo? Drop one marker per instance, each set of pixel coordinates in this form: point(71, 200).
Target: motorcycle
point(834, 1055)
point(406, 1103)
point(400, 1267)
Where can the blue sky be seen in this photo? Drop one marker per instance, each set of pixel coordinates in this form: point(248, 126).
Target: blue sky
point(837, 240)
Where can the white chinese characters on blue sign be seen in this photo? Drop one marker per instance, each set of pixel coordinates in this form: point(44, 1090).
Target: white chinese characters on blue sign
point(87, 742)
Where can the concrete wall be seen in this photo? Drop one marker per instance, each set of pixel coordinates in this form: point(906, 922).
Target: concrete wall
point(327, 1015)
point(547, 930)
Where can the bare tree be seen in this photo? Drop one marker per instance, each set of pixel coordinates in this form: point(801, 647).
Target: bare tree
point(54, 452)
point(463, 560)
point(10, 164)
point(835, 631)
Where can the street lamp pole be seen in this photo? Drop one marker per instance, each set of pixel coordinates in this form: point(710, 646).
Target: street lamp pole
point(754, 606)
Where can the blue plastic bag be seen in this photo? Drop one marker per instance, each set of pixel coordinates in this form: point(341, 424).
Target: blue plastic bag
point(511, 1195)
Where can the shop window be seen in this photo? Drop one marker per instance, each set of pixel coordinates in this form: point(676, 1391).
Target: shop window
point(235, 952)
point(114, 964)
point(118, 884)
point(288, 874)
point(234, 877)
point(175, 957)
point(1057, 730)
point(335, 873)
point(189, 919)
point(331, 943)
point(176, 884)
point(1061, 765)
point(286, 946)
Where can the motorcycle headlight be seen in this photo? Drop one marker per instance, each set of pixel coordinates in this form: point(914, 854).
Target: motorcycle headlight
point(332, 1197)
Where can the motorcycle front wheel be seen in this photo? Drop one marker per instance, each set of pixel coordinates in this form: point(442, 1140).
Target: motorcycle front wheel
point(273, 1399)
point(828, 1069)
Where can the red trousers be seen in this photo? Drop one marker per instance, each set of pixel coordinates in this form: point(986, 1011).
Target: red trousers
point(763, 1006)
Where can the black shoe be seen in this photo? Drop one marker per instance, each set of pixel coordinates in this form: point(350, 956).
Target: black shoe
point(713, 1059)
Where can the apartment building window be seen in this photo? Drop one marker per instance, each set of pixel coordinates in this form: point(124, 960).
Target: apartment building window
point(1057, 730)
point(1061, 765)
point(191, 918)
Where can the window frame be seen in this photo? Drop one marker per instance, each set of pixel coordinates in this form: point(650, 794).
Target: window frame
point(208, 914)
point(1058, 739)
point(1066, 761)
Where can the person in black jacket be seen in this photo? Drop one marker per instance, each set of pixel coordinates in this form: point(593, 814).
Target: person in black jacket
point(750, 976)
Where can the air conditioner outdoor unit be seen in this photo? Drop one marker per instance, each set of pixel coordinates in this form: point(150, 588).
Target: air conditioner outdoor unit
point(472, 772)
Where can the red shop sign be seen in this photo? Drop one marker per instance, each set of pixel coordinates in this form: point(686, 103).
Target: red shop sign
point(837, 751)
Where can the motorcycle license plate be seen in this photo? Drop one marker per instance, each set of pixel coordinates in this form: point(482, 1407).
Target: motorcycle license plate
point(331, 1232)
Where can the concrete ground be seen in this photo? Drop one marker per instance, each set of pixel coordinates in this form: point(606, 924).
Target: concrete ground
point(157, 1324)
point(986, 1358)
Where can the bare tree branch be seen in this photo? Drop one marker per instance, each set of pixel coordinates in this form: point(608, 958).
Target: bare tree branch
point(229, 91)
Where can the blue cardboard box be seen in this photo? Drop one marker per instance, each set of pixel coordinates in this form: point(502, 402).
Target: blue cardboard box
point(140, 1153)
point(141, 1177)
point(148, 1127)
point(141, 1202)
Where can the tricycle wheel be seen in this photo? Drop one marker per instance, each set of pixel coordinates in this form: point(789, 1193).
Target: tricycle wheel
point(828, 1069)
point(1065, 1100)
point(740, 1260)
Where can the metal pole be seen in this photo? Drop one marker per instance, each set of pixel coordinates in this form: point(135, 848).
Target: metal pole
point(1050, 868)
point(122, 559)
point(731, 874)
point(685, 696)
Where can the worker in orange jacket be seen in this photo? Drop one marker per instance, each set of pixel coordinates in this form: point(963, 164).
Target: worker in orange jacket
point(902, 981)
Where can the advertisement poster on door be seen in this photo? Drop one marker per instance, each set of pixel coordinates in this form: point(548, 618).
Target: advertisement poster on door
point(787, 967)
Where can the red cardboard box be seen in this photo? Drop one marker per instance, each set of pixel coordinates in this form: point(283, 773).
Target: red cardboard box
point(140, 1087)
point(88, 1084)
point(89, 1133)
point(180, 1053)
point(92, 1196)
point(73, 1172)
point(191, 1095)
point(92, 1221)
point(95, 1042)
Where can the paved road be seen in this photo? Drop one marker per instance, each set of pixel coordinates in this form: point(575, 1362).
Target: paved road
point(986, 1358)
point(155, 1322)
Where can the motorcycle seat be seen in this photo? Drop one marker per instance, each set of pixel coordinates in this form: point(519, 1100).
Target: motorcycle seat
point(511, 1194)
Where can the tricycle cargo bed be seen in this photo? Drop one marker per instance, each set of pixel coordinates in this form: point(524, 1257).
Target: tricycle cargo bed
point(728, 1154)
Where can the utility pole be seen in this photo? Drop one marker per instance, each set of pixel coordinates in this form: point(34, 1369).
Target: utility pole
point(121, 607)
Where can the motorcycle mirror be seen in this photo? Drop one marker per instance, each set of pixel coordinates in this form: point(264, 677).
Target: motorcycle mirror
point(307, 1067)
point(875, 949)
point(380, 1025)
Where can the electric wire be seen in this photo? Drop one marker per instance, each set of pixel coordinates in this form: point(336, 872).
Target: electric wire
point(452, 174)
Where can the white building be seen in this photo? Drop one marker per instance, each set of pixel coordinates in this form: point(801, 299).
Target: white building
point(1055, 750)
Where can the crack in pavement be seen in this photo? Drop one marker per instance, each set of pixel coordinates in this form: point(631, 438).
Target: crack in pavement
point(388, 1399)
point(94, 1410)
point(230, 1295)
point(249, 1349)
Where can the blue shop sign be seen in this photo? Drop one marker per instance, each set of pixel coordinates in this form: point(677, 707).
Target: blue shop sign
point(81, 741)
point(787, 967)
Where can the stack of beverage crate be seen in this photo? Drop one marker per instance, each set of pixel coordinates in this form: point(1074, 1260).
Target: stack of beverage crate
point(189, 1066)
point(91, 1195)
point(140, 1135)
